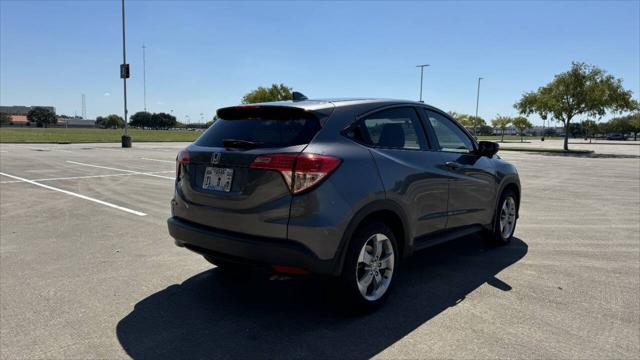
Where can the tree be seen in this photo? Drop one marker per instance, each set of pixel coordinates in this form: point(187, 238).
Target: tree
point(455, 115)
point(163, 121)
point(277, 92)
point(42, 116)
point(521, 123)
point(604, 128)
point(634, 120)
point(589, 128)
point(153, 121)
point(474, 123)
point(4, 118)
point(140, 119)
point(501, 122)
point(112, 121)
point(471, 122)
point(626, 124)
point(485, 130)
point(575, 130)
point(583, 90)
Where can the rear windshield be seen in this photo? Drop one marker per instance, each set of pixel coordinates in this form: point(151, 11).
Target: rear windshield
point(273, 127)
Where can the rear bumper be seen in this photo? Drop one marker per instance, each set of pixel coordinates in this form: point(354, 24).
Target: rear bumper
point(243, 248)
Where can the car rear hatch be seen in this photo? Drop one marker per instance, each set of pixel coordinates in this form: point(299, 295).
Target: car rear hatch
point(219, 181)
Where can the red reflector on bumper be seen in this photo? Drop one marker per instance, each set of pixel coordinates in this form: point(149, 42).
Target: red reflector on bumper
point(292, 270)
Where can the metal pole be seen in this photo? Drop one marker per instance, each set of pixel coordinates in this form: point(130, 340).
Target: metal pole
point(421, 77)
point(477, 103)
point(124, 61)
point(421, 81)
point(144, 76)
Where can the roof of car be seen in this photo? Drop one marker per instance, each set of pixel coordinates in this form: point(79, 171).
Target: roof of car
point(318, 104)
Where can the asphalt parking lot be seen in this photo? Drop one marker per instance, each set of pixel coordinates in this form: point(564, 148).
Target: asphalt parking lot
point(88, 270)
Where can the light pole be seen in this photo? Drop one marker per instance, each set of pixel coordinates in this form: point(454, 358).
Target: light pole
point(124, 74)
point(421, 77)
point(477, 103)
point(144, 76)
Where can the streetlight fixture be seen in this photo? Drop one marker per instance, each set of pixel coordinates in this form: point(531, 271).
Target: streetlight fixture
point(477, 103)
point(421, 77)
point(124, 74)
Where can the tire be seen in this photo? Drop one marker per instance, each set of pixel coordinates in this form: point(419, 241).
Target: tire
point(505, 218)
point(372, 258)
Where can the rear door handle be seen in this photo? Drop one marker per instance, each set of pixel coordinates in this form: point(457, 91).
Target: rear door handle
point(452, 165)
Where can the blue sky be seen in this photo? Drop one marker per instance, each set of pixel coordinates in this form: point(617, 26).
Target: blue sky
point(204, 55)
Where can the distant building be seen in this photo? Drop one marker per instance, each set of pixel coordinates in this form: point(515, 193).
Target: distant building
point(18, 119)
point(22, 110)
point(508, 131)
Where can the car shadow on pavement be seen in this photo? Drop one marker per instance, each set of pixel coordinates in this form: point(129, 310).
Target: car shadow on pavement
point(213, 315)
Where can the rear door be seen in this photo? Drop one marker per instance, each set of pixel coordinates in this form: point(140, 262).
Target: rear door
point(407, 166)
point(223, 190)
point(471, 176)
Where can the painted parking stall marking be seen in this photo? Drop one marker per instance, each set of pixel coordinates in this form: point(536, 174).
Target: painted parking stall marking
point(84, 177)
point(167, 161)
point(123, 170)
point(121, 208)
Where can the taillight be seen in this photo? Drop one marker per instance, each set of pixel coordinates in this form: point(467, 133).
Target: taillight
point(311, 169)
point(300, 171)
point(182, 158)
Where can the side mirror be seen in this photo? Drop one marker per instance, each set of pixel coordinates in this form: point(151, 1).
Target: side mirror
point(488, 148)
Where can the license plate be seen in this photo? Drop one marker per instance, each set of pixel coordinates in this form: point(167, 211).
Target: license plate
point(218, 179)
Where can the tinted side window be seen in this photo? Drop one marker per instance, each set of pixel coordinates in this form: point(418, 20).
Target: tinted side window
point(396, 128)
point(449, 135)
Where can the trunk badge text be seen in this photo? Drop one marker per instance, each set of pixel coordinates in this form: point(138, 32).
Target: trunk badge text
point(215, 158)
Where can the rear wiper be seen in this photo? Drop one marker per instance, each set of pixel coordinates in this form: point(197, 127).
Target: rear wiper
point(236, 143)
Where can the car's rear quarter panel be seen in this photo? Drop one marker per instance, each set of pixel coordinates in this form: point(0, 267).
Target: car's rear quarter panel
point(320, 217)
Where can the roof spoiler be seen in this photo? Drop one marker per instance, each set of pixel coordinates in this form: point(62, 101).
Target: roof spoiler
point(298, 96)
point(244, 112)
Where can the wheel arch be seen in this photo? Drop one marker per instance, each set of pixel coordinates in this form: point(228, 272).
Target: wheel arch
point(511, 183)
point(385, 211)
point(515, 187)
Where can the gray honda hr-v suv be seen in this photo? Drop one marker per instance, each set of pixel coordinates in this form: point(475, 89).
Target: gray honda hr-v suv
point(346, 188)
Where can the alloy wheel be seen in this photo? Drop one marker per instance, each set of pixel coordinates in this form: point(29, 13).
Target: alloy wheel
point(374, 269)
point(507, 217)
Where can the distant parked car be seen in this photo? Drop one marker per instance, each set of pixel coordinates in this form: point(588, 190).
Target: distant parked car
point(345, 188)
point(617, 137)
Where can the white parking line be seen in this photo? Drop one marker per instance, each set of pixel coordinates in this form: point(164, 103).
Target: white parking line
point(82, 177)
point(76, 195)
point(49, 149)
point(124, 170)
point(168, 161)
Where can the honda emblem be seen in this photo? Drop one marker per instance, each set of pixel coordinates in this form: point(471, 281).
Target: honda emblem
point(215, 158)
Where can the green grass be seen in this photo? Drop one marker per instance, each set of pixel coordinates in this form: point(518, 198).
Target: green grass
point(515, 138)
point(546, 150)
point(76, 135)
